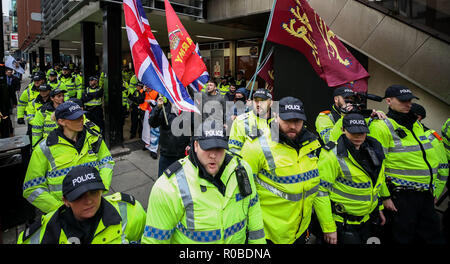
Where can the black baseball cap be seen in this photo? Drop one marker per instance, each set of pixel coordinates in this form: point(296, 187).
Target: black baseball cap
point(343, 91)
point(45, 87)
point(262, 93)
point(93, 78)
point(291, 108)
point(355, 123)
point(65, 68)
point(38, 77)
point(53, 73)
point(401, 92)
point(69, 110)
point(211, 135)
point(80, 180)
point(57, 91)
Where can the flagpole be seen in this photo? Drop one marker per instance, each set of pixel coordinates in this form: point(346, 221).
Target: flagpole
point(262, 47)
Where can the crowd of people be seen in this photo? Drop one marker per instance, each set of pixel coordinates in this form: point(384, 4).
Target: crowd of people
point(242, 172)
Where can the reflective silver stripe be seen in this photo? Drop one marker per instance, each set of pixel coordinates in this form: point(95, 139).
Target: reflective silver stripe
point(36, 134)
point(410, 172)
point(267, 154)
point(343, 165)
point(287, 196)
point(410, 148)
point(106, 165)
point(312, 191)
point(47, 154)
point(397, 140)
point(330, 115)
point(55, 187)
point(187, 198)
point(36, 194)
point(123, 214)
point(364, 198)
point(442, 178)
point(34, 239)
point(258, 234)
point(322, 194)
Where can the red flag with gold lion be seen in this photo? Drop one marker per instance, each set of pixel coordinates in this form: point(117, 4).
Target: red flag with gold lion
point(295, 24)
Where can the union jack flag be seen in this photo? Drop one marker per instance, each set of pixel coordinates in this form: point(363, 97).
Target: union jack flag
point(200, 82)
point(150, 64)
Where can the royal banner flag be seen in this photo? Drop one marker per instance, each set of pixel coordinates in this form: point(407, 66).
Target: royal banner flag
point(266, 69)
point(186, 63)
point(295, 24)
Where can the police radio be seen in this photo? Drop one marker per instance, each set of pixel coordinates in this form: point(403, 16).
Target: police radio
point(243, 182)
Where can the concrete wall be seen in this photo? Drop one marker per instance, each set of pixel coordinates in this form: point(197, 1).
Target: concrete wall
point(381, 78)
point(222, 10)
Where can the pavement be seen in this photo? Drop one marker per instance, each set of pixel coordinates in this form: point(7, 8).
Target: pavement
point(134, 172)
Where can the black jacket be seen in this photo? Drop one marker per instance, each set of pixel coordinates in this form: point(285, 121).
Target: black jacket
point(170, 145)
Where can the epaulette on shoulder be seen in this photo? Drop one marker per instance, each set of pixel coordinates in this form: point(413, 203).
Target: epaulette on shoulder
point(173, 168)
point(91, 128)
point(329, 146)
point(31, 229)
point(128, 198)
point(243, 116)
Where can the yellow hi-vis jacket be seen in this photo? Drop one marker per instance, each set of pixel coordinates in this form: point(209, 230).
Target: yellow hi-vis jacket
point(443, 169)
point(344, 182)
point(245, 127)
point(54, 157)
point(184, 208)
point(411, 160)
point(445, 131)
point(325, 122)
point(34, 107)
point(287, 182)
point(122, 222)
point(27, 96)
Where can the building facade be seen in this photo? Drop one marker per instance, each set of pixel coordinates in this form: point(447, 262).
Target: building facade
point(403, 44)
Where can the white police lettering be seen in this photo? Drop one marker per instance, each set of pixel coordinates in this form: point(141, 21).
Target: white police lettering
point(292, 107)
point(357, 122)
point(80, 179)
point(73, 108)
point(405, 91)
point(214, 133)
point(348, 91)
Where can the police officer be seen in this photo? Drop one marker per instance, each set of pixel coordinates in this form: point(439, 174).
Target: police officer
point(86, 217)
point(411, 170)
point(43, 122)
point(93, 102)
point(42, 98)
point(351, 182)
point(286, 174)
point(70, 82)
point(247, 125)
point(28, 95)
point(72, 144)
point(207, 197)
point(326, 119)
point(54, 82)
